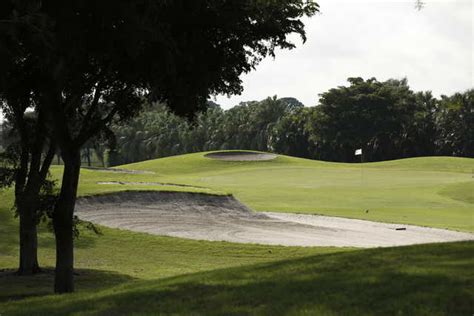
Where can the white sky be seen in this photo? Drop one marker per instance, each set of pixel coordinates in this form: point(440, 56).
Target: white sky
point(385, 39)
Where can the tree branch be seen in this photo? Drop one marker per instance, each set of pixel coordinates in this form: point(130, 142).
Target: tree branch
point(47, 161)
point(92, 108)
point(85, 135)
point(55, 110)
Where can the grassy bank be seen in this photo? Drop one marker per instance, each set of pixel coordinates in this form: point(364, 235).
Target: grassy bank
point(123, 272)
point(429, 191)
point(221, 279)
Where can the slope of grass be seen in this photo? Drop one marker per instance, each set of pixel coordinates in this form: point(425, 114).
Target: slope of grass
point(416, 280)
point(123, 272)
point(429, 191)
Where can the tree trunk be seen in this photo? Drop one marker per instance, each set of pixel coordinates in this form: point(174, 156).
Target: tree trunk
point(25, 203)
point(28, 239)
point(63, 223)
point(27, 200)
point(88, 151)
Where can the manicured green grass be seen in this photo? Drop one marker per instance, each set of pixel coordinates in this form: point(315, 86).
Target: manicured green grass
point(429, 191)
point(122, 272)
point(416, 280)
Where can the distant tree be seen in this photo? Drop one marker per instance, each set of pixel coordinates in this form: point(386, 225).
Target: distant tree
point(207, 131)
point(248, 125)
point(419, 128)
point(378, 117)
point(93, 61)
point(290, 101)
point(290, 136)
point(455, 122)
point(157, 132)
point(212, 104)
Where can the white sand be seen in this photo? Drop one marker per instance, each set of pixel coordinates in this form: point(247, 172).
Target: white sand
point(116, 170)
point(223, 218)
point(148, 184)
point(240, 156)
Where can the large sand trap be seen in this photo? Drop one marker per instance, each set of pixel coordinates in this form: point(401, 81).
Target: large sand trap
point(240, 156)
point(208, 217)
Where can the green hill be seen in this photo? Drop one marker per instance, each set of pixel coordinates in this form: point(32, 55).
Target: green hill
point(122, 272)
point(430, 191)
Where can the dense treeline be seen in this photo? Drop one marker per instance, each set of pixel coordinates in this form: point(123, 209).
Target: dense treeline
point(386, 119)
point(159, 133)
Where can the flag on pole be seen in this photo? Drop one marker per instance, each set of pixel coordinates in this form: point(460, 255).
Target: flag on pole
point(358, 152)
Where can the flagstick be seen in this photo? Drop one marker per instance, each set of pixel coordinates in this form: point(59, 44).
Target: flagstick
point(360, 153)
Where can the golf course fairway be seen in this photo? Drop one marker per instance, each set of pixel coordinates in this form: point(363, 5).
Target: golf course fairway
point(122, 272)
point(429, 191)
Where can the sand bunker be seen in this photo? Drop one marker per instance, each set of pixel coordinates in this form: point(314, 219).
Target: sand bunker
point(240, 156)
point(116, 170)
point(223, 218)
point(149, 184)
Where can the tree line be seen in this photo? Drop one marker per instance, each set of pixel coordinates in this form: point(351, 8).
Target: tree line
point(386, 119)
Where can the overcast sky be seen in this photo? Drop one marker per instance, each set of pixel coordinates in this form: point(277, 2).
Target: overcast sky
point(385, 39)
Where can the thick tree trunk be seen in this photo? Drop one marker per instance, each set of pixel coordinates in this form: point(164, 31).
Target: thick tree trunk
point(27, 199)
point(25, 203)
point(63, 223)
point(28, 240)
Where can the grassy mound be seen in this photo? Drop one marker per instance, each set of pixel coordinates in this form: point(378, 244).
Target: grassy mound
point(122, 272)
point(416, 280)
point(429, 191)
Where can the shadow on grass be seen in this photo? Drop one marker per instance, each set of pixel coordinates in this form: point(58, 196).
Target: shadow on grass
point(8, 232)
point(432, 279)
point(9, 238)
point(17, 288)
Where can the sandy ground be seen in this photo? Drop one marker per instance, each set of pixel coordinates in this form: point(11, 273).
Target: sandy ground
point(223, 218)
point(150, 184)
point(240, 156)
point(116, 170)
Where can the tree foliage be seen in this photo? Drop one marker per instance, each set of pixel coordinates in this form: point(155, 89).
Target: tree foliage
point(456, 124)
point(158, 133)
point(89, 63)
point(386, 119)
